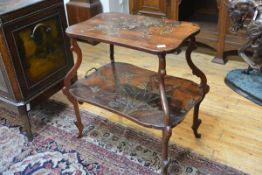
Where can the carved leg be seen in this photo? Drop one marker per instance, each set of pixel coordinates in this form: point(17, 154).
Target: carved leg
point(26, 122)
point(78, 122)
point(67, 83)
point(167, 132)
point(203, 85)
point(196, 121)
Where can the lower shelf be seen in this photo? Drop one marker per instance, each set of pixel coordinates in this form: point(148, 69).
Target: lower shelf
point(133, 92)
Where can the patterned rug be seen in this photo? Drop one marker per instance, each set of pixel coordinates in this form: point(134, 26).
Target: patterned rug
point(106, 148)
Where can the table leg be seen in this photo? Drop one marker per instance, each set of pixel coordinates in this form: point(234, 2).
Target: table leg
point(166, 134)
point(203, 85)
point(78, 122)
point(26, 122)
point(196, 121)
point(167, 130)
point(67, 82)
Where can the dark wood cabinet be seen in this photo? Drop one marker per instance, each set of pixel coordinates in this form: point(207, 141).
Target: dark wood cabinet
point(81, 10)
point(156, 8)
point(34, 55)
point(211, 15)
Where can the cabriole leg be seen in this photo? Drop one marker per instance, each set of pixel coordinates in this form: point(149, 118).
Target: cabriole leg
point(78, 122)
point(203, 85)
point(167, 132)
point(196, 121)
point(67, 83)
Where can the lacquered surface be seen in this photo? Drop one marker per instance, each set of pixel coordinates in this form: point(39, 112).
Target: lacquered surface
point(134, 92)
point(148, 34)
point(43, 53)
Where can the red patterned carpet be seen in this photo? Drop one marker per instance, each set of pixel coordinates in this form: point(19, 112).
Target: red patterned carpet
point(106, 148)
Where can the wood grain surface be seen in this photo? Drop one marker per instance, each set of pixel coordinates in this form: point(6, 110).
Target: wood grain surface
point(143, 33)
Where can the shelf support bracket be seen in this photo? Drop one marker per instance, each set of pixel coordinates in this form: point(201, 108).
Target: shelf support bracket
point(67, 83)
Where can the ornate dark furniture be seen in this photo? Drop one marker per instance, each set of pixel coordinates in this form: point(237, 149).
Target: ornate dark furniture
point(81, 10)
point(211, 15)
point(151, 99)
point(247, 14)
point(34, 55)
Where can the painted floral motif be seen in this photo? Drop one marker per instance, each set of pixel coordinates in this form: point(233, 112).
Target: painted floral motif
point(132, 99)
point(142, 24)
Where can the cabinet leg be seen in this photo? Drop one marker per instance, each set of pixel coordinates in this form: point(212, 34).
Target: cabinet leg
point(112, 53)
point(167, 132)
point(26, 122)
point(196, 121)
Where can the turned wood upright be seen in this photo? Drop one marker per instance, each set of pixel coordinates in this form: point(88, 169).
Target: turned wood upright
point(151, 99)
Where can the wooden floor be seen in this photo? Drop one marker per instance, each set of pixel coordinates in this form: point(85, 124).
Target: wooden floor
point(231, 125)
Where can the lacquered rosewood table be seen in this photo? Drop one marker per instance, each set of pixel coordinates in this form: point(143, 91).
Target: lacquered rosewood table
point(151, 99)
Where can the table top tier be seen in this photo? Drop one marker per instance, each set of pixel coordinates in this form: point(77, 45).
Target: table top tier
point(148, 34)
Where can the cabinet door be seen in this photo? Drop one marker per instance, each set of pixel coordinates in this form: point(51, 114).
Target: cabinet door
point(149, 7)
point(40, 50)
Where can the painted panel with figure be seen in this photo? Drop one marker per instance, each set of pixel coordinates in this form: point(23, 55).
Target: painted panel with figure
point(41, 50)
